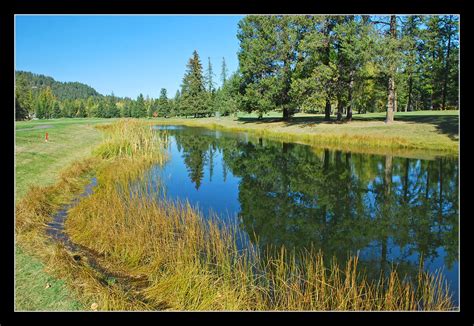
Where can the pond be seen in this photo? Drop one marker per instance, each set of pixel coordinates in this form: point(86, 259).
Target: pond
point(391, 211)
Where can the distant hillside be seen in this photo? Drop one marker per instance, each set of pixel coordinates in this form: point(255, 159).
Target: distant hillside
point(62, 90)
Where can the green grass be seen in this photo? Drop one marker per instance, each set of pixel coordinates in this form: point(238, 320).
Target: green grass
point(39, 163)
point(413, 134)
point(37, 290)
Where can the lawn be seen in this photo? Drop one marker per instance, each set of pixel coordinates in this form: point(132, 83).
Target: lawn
point(38, 163)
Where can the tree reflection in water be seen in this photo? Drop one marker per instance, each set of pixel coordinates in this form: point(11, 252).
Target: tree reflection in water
point(389, 210)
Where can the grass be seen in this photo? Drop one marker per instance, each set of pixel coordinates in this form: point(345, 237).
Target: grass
point(38, 163)
point(36, 290)
point(142, 254)
point(413, 134)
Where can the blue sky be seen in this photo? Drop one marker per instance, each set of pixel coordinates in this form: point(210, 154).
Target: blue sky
point(126, 55)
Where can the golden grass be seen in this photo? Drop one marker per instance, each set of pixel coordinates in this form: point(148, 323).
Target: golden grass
point(374, 137)
point(144, 254)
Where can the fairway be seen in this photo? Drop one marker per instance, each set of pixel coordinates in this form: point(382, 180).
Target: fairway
point(38, 163)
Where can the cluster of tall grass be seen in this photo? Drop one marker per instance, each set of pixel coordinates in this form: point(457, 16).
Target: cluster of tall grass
point(162, 255)
point(193, 263)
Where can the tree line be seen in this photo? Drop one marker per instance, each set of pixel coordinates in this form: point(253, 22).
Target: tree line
point(336, 65)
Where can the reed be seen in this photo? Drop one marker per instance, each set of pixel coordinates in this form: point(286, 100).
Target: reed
point(141, 253)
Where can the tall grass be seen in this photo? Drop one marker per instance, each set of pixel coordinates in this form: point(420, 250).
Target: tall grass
point(144, 254)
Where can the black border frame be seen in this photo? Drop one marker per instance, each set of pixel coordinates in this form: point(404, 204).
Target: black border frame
point(9, 317)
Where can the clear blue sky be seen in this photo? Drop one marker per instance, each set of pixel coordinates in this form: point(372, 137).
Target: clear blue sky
point(126, 55)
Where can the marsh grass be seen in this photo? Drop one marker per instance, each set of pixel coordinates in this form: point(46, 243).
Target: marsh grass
point(183, 261)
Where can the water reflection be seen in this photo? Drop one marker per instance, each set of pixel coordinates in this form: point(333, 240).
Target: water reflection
point(390, 210)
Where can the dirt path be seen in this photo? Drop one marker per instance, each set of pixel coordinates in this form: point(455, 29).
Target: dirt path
point(36, 127)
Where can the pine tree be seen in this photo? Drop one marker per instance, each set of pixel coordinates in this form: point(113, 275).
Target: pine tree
point(163, 103)
point(23, 98)
point(223, 72)
point(56, 112)
point(139, 109)
point(267, 59)
point(112, 110)
point(209, 75)
point(101, 111)
point(45, 102)
point(193, 97)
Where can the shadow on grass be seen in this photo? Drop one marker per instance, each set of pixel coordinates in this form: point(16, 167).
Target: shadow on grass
point(445, 124)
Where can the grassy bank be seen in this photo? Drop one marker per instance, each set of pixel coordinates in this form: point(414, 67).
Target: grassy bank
point(142, 254)
point(413, 134)
point(38, 163)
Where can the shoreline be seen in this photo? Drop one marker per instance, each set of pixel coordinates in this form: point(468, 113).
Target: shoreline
point(351, 136)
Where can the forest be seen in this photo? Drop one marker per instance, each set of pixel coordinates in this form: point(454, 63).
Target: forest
point(332, 65)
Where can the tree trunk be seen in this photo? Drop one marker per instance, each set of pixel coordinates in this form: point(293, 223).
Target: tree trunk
point(340, 107)
point(327, 110)
point(446, 71)
point(410, 90)
point(395, 100)
point(349, 104)
point(392, 102)
point(286, 114)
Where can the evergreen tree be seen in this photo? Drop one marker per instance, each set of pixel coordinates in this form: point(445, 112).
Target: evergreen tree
point(91, 107)
point(101, 111)
point(139, 109)
point(112, 110)
point(81, 109)
point(193, 96)
point(269, 52)
point(45, 102)
point(209, 75)
point(56, 111)
point(23, 98)
point(163, 104)
point(21, 113)
point(223, 72)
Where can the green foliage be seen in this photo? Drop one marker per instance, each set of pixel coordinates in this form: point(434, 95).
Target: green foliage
point(227, 99)
point(56, 112)
point(267, 59)
point(314, 64)
point(194, 100)
point(111, 109)
point(23, 98)
point(346, 61)
point(164, 107)
point(139, 108)
point(44, 104)
point(61, 90)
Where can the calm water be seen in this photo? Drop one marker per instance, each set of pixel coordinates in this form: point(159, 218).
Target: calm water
point(389, 210)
